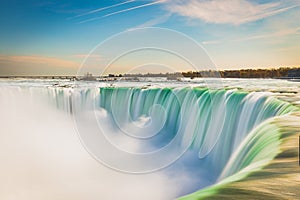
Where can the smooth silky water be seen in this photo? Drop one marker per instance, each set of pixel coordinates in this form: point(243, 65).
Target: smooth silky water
point(221, 136)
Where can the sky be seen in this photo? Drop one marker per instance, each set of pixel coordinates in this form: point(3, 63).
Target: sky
point(54, 37)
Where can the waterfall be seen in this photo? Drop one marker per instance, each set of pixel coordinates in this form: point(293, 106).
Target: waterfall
point(219, 125)
point(230, 133)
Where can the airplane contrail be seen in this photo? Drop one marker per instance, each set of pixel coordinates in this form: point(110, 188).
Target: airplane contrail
point(121, 11)
point(101, 9)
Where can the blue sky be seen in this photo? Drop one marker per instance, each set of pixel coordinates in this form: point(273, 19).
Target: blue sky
point(53, 37)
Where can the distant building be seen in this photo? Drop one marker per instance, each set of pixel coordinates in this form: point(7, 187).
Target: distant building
point(88, 77)
point(294, 73)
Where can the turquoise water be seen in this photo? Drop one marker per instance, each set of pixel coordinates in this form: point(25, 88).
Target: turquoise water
point(229, 134)
point(196, 140)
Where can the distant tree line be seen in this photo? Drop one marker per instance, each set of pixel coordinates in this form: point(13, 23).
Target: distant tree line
point(283, 72)
point(248, 73)
point(176, 74)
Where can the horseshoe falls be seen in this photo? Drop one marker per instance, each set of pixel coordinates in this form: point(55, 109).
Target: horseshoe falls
point(150, 142)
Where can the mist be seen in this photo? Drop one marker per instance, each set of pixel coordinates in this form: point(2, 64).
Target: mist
point(42, 158)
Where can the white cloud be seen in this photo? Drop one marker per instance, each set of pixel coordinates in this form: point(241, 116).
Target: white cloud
point(226, 11)
point(279, 33)
point(211, 42)
point(153, 22)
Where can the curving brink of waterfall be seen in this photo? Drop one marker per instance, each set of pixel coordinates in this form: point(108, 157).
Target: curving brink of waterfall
point(230, 133)
point(211, 138)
